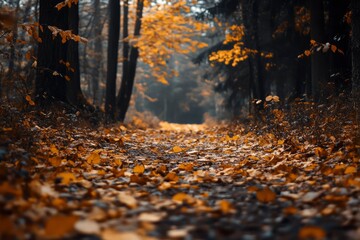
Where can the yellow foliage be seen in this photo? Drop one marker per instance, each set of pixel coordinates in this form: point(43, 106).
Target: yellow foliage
point(166, 29)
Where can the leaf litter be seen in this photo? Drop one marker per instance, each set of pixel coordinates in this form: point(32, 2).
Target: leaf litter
point(196, 182)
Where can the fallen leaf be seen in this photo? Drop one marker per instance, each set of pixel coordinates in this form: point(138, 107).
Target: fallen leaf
point(350, 170)
point(59, 226)
point(93, 158)
point(177, 149)
point(66, 178)
point(55, 161)
point(265, 195)
point(225, 206)
point(127, 199)
point(312, 232)
point(139, 169)
point(87, 227)
point(310, 196)
point(110, 234)
point(151, 217)
point(181, 197)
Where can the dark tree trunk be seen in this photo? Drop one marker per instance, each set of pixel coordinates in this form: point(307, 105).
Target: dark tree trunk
point(355, 7)
point(98, 52)
point(74, 94)
point(112, 58)
point(51, 86)
point(318, 59)
point(127, 86)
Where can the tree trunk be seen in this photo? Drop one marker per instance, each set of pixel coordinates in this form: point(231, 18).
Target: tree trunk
point(112, 58)
point(318, 59)
point(98, 52)
point(355, 7)
point(127, 86)
point(74, 94)
point(51, 86)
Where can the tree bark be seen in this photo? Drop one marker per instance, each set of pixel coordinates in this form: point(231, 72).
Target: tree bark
point(127, 85)
point(98, 51)
point(50, 86)
point(318, 59)
point(112, 59)
point(355, 8)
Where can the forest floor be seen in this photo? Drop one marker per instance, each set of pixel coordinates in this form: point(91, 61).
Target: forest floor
point(60, 180)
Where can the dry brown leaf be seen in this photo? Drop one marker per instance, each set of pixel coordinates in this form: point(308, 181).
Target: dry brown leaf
point(59, 226)
point(55, 161)
point(225, 206)
point(312, 232)
point(54, 149)
point(93, 158)
point(87, 227)
point(151, 217)
point(266, 195)
point(110, 234)
point(181, 197)
point(127, 199)
point(350, 170)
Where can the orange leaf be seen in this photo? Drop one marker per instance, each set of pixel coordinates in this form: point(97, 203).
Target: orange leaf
point(53, 149)
point(55, 161)
point(67, 78)
point(58, 226)
point(177, 149)
point(181, 197)
point(66, 177)
point(307, 53)
point(350, 170)
point(225, 206)
point(93, 158)
point(312, 232)
point(139, 169)
point(265, 195)
point(171, 176)
point(333, 48)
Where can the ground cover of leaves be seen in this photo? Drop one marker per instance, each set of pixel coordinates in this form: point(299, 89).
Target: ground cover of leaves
point(175, 182)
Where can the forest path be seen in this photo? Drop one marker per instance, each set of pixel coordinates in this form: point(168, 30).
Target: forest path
point(176, 182)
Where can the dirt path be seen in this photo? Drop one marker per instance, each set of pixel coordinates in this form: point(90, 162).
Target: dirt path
point(176, 182)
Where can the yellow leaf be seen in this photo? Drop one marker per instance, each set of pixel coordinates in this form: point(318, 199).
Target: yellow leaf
point(93, 158)
point(58, 226)
point(312, 232)
point(177, 149)
point(139, 169)
point(307, 53)
point(66, 177)
point(265, 195)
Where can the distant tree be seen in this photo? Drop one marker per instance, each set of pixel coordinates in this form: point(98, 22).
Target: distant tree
point(129, 69)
